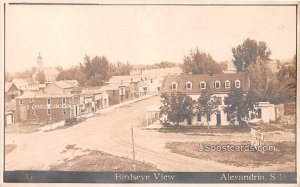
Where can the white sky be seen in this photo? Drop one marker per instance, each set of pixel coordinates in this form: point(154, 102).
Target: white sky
point(141, 34)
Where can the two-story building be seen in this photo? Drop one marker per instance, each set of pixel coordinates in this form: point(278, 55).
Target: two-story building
point(117, 93)
point(60, 87)
point(46, 107)
point(93, 99)
point(219, 84)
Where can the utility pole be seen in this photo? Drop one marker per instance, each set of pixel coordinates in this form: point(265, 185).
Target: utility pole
point(133, 153)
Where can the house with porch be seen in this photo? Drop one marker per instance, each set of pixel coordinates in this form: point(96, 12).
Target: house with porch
point(219, 84)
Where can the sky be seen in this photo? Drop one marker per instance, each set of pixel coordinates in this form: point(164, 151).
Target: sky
point(141, 34)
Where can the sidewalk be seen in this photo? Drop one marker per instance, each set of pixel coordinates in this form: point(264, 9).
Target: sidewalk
point(110, 108)
point(102, 111)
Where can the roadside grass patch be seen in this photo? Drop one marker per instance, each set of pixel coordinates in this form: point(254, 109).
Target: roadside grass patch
point(197, 130)
point(59, 128)
point(22, 128)
point(100, 161)
point(9, 148)
point(285, 152)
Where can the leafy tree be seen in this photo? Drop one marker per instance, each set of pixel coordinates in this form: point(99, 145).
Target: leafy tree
point(239, 104)
point(178, 107)
point(76, 73)
point(41, 77)
point(249, 53)
point(286, 83)
point(199, 62)
point(262, 80)
point(24, 74)
point(207, 105)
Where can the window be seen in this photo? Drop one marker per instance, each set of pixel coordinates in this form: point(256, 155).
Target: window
point(237, 83)
point(114, 92)
point(48, 101)
point(21, 101)
point(32, 112)
point(174, 86)
point(188, 85)
point(202, 85)
point(31, 100)
point(217, 84)
point(49, 111)
point(63, 100)
point(227, 84)
point(64, 111)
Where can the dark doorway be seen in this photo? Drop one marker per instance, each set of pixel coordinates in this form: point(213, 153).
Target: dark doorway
point(218, 118)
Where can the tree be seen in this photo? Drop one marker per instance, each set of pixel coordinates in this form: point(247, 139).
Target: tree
point(73, 73)
point(207, 105)
point(249, 53)
point(239, 104)
point(199, 62)
point(41, 77)
point(286, 83)
point(178, 107)
point(262, 80)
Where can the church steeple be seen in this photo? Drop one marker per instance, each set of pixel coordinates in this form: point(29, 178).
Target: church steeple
point(40, 63)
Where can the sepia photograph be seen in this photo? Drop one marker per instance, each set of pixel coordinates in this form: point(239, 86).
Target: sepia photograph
point(149, 93)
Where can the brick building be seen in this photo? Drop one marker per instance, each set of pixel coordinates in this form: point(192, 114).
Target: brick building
point(44, 107)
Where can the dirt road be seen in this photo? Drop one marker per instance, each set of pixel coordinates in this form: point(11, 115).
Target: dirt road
point(111, 133)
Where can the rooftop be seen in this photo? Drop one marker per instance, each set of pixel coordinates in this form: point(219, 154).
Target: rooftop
point(181, 80)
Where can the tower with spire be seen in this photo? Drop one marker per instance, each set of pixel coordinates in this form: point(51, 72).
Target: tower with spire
point(40, 63)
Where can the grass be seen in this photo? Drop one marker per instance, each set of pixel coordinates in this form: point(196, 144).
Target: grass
point(100, 161)
point(59, 128)
point(285, 152)
point(9, 148)
point(195, 130)
point(275, 126)
point(22, 128)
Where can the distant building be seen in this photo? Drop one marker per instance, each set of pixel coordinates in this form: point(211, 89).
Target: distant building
point(51, 73)
point(93, 99)
point(230, 67)
point(117, 93)
point(27, 84)
point(60, 87)
point(274, 65)
point(158, 72)
point(11, 91)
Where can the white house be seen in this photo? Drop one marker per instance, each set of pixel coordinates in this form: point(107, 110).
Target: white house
point(219, 84)
point(27, 84)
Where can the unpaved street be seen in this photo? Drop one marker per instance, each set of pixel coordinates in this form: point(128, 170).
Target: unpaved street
point(111, 133)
